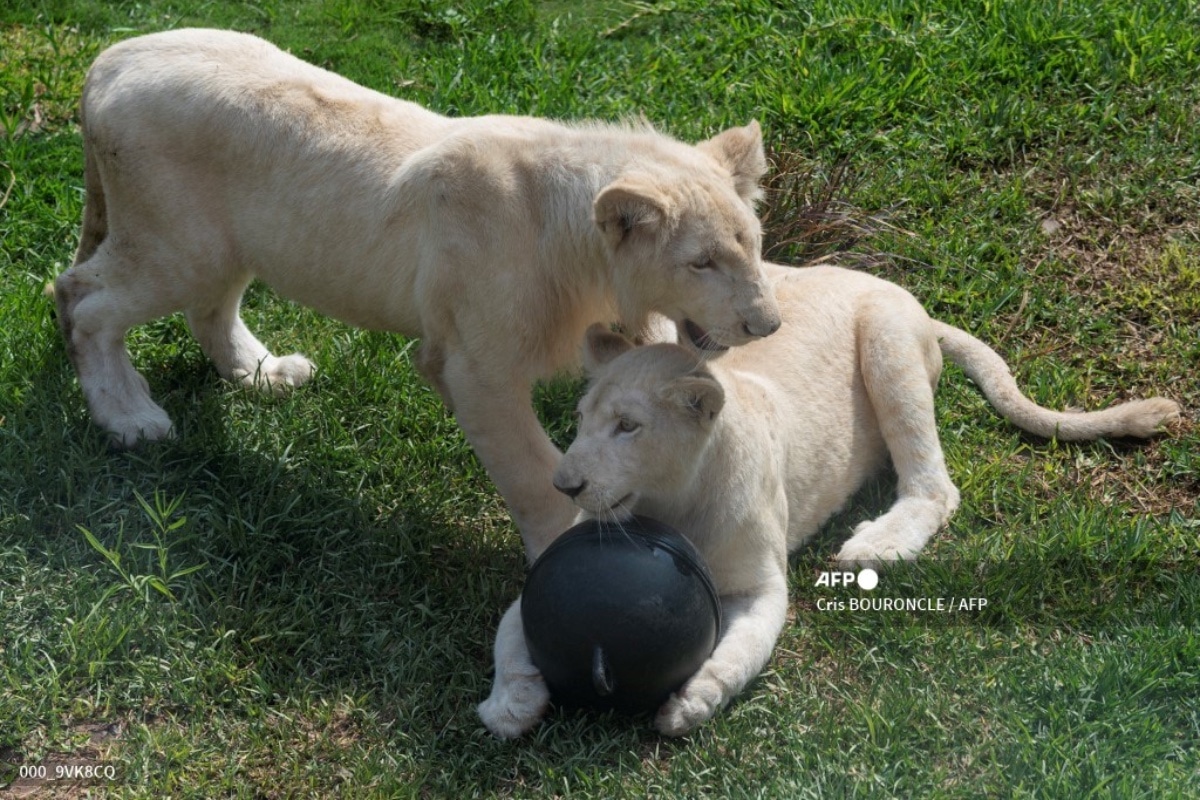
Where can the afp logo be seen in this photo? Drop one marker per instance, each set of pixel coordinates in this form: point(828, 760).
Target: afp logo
point(865, 579)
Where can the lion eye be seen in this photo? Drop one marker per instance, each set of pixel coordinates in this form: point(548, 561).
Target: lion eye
point(627, 425)
point(704, 266)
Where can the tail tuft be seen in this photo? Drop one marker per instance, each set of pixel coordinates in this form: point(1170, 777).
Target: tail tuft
point(1144, 418)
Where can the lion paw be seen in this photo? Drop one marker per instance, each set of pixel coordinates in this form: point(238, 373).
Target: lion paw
point(280, 375)
point(515, 706)
point(698, 701)
point(149, 424)
point(877, 542)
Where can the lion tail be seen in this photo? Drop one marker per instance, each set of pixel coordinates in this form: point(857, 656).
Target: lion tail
point(1140, 418)
point(95, 205)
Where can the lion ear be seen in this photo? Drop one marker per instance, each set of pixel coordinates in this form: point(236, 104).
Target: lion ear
point(699, 394)
point(740, 150)
point(630, 208)
point(601, 346)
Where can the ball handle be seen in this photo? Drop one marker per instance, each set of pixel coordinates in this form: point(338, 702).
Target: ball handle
point(602, 677)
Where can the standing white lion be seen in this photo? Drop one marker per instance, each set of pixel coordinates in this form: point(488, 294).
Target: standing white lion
point(213, 158)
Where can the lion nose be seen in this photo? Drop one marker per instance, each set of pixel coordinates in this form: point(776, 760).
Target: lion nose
point(570, 491)
point(766, 329)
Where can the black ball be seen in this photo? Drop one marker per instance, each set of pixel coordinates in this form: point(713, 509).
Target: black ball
point(618, 615)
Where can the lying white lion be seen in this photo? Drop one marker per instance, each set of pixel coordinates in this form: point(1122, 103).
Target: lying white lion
point(749, 453)
point(213, 157)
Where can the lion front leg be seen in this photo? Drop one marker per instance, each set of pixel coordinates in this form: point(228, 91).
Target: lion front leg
point(751, 627)
point(496, 414)
point(519, 697)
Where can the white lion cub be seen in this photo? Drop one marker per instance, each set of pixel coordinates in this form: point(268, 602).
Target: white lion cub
point(213, 157)
point(748, 454)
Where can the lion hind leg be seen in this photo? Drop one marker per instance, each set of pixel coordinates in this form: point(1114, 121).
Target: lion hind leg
point(98, 301)
point(237, 354)
point(900, 367)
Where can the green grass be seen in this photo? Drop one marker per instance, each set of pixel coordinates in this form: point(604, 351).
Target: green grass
point(297, 598)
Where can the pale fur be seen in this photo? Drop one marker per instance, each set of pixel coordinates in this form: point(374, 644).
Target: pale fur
point(748, 454)
point(213, 157)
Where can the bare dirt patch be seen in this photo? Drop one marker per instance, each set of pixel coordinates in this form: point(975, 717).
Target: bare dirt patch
point(73, 774)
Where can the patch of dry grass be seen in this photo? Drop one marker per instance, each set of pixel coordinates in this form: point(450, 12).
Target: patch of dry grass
point(808, 215)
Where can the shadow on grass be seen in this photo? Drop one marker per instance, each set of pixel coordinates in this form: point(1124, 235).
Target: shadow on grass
point(317, 576)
